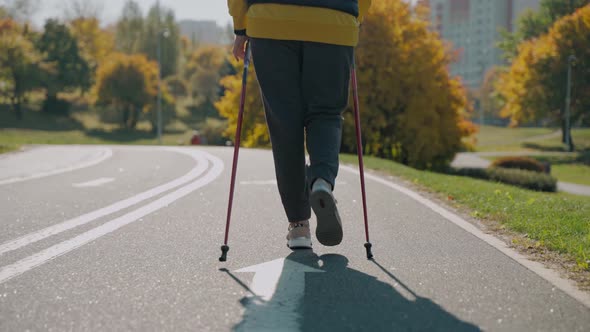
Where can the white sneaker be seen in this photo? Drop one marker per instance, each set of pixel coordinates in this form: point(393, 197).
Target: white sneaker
point(329, 229)
point(299, 236)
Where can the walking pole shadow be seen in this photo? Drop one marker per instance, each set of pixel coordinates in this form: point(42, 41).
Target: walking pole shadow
point(345, 299)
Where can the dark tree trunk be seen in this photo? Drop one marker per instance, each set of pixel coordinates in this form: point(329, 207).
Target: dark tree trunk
point(15, 105)
point(126, 116)
point(563, 132)
point(134, 118)
point(18, 109)
point(571, 147)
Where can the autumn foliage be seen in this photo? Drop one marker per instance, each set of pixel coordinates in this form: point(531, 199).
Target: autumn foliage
point(129, 83)
point(412, 110)
point(254, 132)
point(95, 43)
point(534, 87)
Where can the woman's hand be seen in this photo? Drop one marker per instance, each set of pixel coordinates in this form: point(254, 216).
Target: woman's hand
point(240, 47)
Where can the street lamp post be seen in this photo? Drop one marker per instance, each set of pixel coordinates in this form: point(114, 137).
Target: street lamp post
point(159, 88)
point(568, 99)
point(161, 33)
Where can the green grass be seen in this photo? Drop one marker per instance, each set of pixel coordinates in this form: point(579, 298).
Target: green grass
point(8, 147)
point(15, 137)
point(559, 222)
point(80, 128)
point(492, 138)
point(574, 173)
point(581, 139)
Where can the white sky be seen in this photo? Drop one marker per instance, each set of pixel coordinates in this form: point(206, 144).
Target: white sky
point(215, 10)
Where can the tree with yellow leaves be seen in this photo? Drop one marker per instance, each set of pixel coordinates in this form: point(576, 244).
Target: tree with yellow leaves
point(129, 83)
point(21, 64)
point(412, 110)
point(254, 132)
point(95, 43)
point(534, 88)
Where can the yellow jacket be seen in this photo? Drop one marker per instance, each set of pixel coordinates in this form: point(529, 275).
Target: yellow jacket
point(327, 21)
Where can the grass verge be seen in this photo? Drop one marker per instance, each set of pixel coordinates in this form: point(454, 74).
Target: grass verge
point(492, 138)
point(573, 173)
point(558, 222)
point(8, 147)
point(80, 128)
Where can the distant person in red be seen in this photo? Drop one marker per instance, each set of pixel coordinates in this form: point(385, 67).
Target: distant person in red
point(196, 139)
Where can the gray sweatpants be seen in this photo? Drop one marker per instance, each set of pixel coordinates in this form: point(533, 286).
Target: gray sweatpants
point(304, 88)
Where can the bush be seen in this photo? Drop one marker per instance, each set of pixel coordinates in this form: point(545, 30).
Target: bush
point(212, 132)
point(56, 106)
point(478, 173)
point(523, 163)
point(516, 177)
point(523, 178)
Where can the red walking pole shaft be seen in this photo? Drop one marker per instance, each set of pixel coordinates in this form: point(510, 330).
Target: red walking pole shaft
point(225, 247)
point(359, 144)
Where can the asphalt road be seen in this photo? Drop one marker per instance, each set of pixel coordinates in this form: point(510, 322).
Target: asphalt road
point(129, 240)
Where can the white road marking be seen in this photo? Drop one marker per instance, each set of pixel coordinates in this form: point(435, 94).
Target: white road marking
point(94, 183)
point(25, 240)
point(553, 277)
point(274, 308)
point(259, 183)
point(10, 271)
point(106, 153)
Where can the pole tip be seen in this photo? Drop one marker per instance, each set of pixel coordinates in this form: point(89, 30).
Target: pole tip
point(368, 246)
point(224, 250)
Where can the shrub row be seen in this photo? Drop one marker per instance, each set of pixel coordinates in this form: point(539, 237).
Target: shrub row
point(524, 163)
point(517, 177)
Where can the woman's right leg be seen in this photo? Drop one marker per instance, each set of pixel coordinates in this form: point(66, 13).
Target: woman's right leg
point(278, 68)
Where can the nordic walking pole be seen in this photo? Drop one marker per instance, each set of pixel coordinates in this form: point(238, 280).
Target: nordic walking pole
point(359, 150)
point(225, 247)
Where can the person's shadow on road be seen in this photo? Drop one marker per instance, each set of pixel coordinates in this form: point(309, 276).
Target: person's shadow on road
point(344, 299)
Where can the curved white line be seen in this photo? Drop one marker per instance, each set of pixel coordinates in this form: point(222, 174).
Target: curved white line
point(567, 286)
point(30, 238)
point(106, 154)
point(26, 264)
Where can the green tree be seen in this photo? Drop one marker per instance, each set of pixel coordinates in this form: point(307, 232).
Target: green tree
point(177, 86)
point(534, 24)
point(129, 29)
point(490, 101)
point(203, 70)
point(160, 26)
point(20, 64)
point(128, 83)
point(70, 69)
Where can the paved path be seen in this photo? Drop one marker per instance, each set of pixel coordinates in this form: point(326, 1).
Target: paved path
point(37, 162)
point(139, 252)
point(475, 160)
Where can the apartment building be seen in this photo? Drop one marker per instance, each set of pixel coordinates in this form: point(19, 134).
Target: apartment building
point(473, 27)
